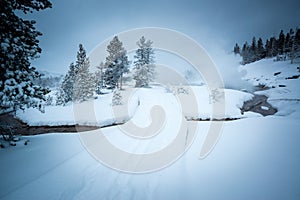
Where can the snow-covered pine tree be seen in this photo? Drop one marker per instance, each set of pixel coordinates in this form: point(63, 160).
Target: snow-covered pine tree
point(49, 100)
point(111, 75)
point(286, 43)
point(116, 64)
point(236, 49)
point(273, 45)
point(295, 53)
point(267, 49)
point(281, 42)
point(117, 98)
point(85, 83)
point(99, 78)
point(253, 50)
point(261, 53)
point(144, 68)
point(291, 40)
point(65, 94)
point(60, 97)
point(245, 53)
point(19, 45)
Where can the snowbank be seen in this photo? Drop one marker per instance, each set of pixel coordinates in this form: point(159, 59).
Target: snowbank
point(281, 84)
point(139, 104)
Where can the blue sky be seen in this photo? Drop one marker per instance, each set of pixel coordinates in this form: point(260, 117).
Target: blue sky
point(209, 22)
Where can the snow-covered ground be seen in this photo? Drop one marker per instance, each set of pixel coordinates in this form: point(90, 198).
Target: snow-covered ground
point(255, 158)
point(282, 79)
point(104, 113)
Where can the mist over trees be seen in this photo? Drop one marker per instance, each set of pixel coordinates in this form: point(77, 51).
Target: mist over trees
point(285, 46)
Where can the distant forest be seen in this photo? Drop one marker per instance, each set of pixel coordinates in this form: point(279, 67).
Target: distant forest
point(285, 46)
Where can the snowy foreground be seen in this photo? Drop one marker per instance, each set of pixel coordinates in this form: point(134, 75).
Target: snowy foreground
point(255, 158)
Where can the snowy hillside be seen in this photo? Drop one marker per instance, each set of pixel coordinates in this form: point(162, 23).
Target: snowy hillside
point(256, 157)
point(277, 80)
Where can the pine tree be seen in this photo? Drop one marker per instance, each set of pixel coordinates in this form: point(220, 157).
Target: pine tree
point(117, 98)
point(295, 53)
point(273, 47)
point(111, 75)
point(291, 43)
point(268, 49)
point(65, 94)
point(100, 78)
point(286, 43)
point(60, 97)
point(144, 71)
point(236, 49)
point(281, 42)
point(116, 64)
point(19, 45)
point(245, 53)
point(84, 86)
point(260, 49)
point(292, 37)
point(253, 50)
point(297, 42)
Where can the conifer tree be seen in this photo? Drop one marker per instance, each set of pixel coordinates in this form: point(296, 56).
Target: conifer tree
point(19, 45)
point(268, 49)
point(292, 37)
point(65, 93)
point(117, 98)
point(100, 78)
point(84, 86)
point(286, 43)
point(273, 47)
point(281, 42)
point(245, 53)
point(116, 64)
point(144, 68)
point(236, 49)
point(260, 49)
point(295, 53)
point(253, 50)
point(111, 75)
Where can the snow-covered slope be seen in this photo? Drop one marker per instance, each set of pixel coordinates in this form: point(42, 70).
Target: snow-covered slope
point(255, 158)
point(104, 115)
point(279, 81)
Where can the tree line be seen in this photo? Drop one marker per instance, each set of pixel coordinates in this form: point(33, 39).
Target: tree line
point(285, 46)
point(79, 84)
